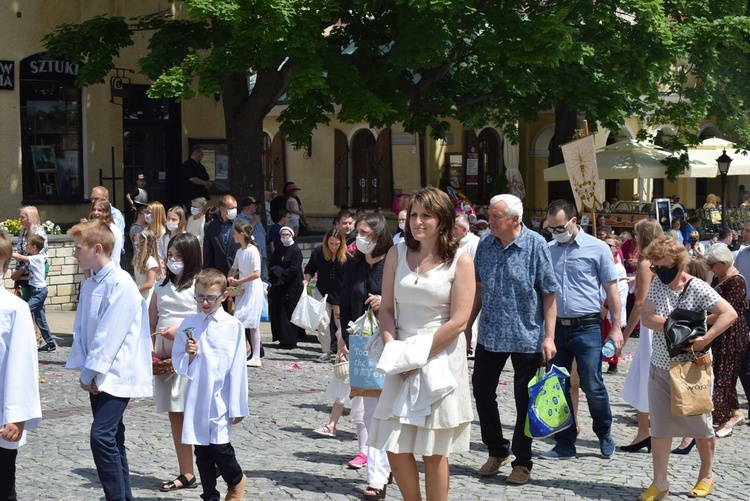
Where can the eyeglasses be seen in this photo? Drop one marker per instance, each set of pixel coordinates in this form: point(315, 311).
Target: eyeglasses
point(201, 298)
point(560, 229)
point(659, 269)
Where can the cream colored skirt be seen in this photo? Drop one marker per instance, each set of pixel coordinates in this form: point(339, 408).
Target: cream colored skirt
point(169, 392)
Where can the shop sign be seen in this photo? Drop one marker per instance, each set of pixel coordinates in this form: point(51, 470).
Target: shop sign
point(7, 75)
point(39, 67)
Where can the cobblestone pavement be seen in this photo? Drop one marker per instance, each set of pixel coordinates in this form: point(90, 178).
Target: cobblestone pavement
point(283, 460)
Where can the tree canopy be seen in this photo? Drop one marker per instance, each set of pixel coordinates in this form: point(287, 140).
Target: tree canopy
point(421, 62)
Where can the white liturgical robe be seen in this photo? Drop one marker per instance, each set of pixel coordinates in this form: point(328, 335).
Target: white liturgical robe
point(111, 335)
point(19, 370)
point(217, 376)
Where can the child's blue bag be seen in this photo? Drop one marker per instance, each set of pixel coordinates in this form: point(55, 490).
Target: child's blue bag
point(548, 411)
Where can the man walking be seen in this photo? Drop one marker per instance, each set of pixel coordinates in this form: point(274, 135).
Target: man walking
point(516, 294)
point(582, 265)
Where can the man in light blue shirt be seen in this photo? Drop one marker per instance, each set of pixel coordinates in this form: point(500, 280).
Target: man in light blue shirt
point(582, 265)
point(516, 295)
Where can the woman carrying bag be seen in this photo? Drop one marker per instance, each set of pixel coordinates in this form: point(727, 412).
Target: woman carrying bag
point(675, 288)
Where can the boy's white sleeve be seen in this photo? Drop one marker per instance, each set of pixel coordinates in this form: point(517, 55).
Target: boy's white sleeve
point(180, 358)
point(237, 405)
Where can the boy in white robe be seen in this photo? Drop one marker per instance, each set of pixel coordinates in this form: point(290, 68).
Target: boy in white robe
point(20, 408)
point(209, 350)
point(112, 349)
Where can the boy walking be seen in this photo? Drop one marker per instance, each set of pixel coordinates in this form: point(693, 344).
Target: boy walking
point(209, 350)
point(20, 408)
point(112, 349)
point(38, 285)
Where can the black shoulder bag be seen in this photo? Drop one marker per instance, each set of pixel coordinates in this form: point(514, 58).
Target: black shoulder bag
point(683, 325)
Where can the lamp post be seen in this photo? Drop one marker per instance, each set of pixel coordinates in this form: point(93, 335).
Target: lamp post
point(724, 161)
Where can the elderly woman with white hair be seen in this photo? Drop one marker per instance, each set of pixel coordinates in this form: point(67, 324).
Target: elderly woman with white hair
point(467, 241)
point(730, 348)
point(196, 221)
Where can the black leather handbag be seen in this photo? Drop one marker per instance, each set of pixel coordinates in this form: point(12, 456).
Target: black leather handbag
point(683, 325)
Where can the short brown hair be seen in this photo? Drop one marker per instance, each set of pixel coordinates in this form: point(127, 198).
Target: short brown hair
point(36, 241)
point(210, 277)
point(666, 247)
point(6, 251)
point(94, 232)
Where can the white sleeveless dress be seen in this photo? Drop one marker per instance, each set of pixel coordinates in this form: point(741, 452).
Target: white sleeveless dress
point(173, 306)
point(422, 306)
point(249, 306)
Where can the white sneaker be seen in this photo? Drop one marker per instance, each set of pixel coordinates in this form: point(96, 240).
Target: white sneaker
point(325, 357)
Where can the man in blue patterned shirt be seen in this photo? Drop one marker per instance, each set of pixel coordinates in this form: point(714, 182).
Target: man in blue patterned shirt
point(516, 294)
point(582, 265)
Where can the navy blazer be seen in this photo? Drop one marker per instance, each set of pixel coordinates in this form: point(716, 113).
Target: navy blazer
point(215, 253)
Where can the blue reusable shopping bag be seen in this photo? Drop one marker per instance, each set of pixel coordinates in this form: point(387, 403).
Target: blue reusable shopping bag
point(362, 376)
point(548, 411)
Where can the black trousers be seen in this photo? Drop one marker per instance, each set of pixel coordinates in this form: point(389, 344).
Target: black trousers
point(487, 368)
point(207, 458)
point(8, 474)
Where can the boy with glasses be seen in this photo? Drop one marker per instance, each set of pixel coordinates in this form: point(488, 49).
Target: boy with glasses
point(209, 350)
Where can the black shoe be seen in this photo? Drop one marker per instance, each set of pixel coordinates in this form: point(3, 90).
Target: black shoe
point(47, 347)
point(646, 442)
point(612, 369)
point(686, 450)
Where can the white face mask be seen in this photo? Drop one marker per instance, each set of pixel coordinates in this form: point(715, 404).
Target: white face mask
point(287, 241)
point(231, 214)
point(171, 225)
point(365, 245)
point(176, 267)
point(148, 218)
point(195, 211)
point(401, 226)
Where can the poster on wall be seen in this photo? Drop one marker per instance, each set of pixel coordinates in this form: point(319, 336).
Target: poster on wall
point(472, 167)
point(455, 164)
point(216, 162)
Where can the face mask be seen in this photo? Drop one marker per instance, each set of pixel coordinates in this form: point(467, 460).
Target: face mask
point(231, 214)
point(562, 238)
point(171, 225)
point(693, 240)
point(195, 211)
point(365, 245)
point(287, 241)
point(176, 267)
point(668, 276)
point(148, 218)
point(401, 226)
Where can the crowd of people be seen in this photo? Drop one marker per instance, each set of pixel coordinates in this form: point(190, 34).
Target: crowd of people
point(447, 287)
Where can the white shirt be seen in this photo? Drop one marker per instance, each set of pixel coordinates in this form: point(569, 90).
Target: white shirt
point(111, 335)
point(196, 227)
point(19, 368)
point(469, 244)
point(36, 271)
point(217, 376)
point(117, 249)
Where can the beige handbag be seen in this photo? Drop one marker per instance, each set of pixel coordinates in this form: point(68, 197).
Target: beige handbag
point(690, 384)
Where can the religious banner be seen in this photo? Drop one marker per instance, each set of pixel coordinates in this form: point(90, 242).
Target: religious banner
point(580, 160)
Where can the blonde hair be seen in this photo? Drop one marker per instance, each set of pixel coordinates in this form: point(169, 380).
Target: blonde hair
point(33, 214)
point(177, 209)
point(158, 222)
point(94, 232)
point(6, 251)
point(145, 248)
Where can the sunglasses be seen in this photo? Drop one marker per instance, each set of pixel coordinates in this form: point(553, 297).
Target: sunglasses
point(202, 298)
point(560, 229)
point(659, 269)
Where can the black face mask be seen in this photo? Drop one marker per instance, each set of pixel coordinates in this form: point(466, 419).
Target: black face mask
point(667, 276)
point(694, 240)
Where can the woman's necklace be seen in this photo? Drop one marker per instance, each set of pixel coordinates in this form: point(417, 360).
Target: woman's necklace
point(418, 271)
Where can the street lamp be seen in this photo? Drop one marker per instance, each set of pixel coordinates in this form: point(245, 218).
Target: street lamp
point(724, 161)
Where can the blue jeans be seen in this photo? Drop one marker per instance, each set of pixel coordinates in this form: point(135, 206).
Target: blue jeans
point(584, 343)
point(108, 445)
point(36, 305)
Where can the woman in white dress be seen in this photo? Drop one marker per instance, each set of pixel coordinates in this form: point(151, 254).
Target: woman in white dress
point(197, 221)
point(248, 306)
point(635, 390)
point(171, 303)
point(175, 224)
point(428, 290)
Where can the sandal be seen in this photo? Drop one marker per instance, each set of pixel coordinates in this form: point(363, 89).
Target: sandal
point(372, 493)
point(184, 484)
point(325, 431)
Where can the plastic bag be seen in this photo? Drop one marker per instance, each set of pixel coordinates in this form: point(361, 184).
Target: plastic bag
point(309, 313)
point(548, 411)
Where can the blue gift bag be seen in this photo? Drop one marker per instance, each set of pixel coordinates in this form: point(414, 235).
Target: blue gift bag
point(548, 411)
point(264, 311)
point(362, 376)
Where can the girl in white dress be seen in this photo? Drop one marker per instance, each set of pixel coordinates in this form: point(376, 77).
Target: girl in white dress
point(145, 263)
point(171, 303)
point(156, 218)
point(428, 290)
point(248, 306)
